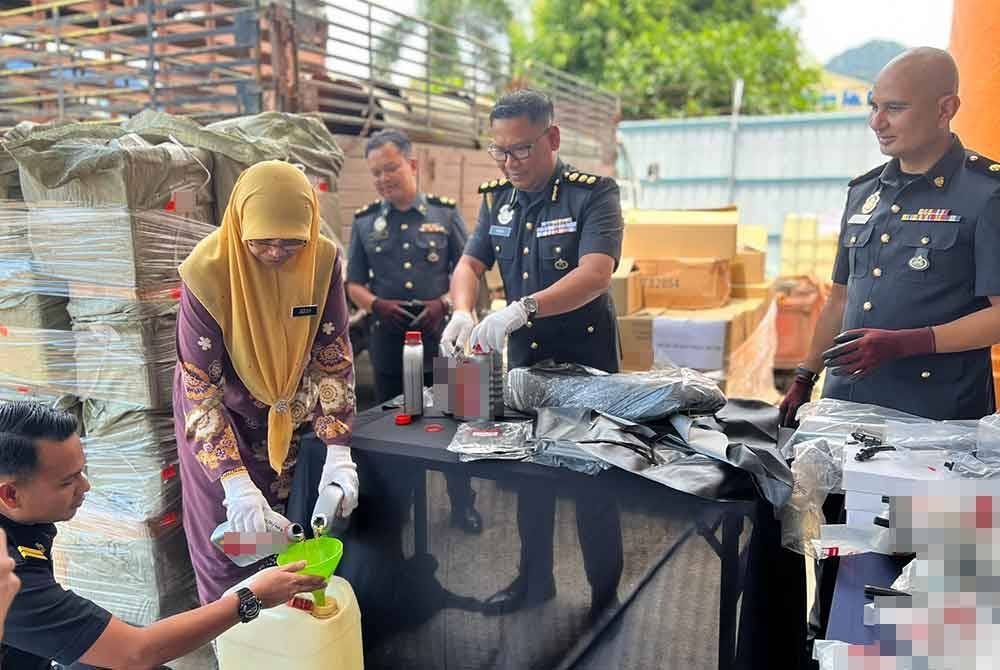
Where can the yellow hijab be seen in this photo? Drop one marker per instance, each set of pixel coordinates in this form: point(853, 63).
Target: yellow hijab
point(253, 303)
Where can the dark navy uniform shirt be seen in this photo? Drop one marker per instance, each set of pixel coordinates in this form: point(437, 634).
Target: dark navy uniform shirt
point(45, 621)
point(539, 238)
point(918, 251)
point(404, 255)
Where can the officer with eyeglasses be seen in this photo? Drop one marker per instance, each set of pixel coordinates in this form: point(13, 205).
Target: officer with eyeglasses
point(556, 234)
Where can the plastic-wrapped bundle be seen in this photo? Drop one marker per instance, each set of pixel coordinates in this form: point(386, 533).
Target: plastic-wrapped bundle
point(52, 398)
point(65, 249)
point(636, 396)
point(818, 469)
point(137, 568)
point(132, 457)
point(129, 363)
point(32, 310)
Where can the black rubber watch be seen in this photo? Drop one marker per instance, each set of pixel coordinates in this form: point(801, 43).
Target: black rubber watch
point(250, 605)
point(806, 374)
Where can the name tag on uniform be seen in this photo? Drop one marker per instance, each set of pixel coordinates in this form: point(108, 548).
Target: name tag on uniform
point(500, 231)
point(432, 228)
point(859, 218)
point(932, 215)
point(556, 227)
point(305, 310)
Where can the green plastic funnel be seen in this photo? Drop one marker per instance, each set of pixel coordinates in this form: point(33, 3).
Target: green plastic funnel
point(322, 556)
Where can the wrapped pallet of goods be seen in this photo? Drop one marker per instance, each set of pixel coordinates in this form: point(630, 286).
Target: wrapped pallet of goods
point(109, 217)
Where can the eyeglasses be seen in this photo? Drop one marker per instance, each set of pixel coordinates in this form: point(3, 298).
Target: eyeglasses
point(520, 152)
point(287, 246)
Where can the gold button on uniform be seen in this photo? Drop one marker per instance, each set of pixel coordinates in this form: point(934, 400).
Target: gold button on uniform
point(529, 324)
point(378, 250)
point(529, 225)
point(526, 251)
point(432, 243)
point(926, 374)
point(408, 284)
point(973, 158)
point(404, 226)
point(867, 306)
point(590, 329)
point(406, 245)
point(497, 248)
point(524, 275)
point(534, 345)
point(407, 265)
point(558, 250)
point(885, 238)
point(877, 272)
point(925, 240)
point(854, 238)
point(895, 209)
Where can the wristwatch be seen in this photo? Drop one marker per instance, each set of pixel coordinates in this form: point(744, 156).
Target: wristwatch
point(530, 305)
point(250, 605)
point(806, 374)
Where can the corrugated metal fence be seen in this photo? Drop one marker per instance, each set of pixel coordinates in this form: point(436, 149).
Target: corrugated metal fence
point(769, 166)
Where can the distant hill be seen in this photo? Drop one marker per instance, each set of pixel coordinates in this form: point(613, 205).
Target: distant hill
point(865, 61)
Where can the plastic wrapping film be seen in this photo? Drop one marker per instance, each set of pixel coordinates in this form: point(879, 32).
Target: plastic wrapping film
point(136, 567)
point(635, 396)
point(953, 436)
point(817, 469)
point(988, 433)
point(132, 457)
point(507, 440)
point(835, 419)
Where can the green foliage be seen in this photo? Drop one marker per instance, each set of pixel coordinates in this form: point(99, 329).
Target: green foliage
point(676, 57)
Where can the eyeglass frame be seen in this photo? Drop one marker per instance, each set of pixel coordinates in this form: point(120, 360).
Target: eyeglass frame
point(286, 246)
point(509, 153)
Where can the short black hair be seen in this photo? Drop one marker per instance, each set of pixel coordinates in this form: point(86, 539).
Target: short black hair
point(390, 136)
point(524, 102)
point(22, 424)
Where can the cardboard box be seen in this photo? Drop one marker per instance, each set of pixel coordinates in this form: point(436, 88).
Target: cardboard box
point(751, 236)
point(749, 267)
point(799, 303)
point(685, 283)
point(759, 291)
point(701, 339)
point(626, 290)
point(692, 233)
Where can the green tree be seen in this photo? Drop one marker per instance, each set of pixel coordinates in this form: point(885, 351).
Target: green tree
point(449, 61)
point(676, 57)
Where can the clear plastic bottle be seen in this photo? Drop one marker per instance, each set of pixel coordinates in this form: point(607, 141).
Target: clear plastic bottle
point(413, 374)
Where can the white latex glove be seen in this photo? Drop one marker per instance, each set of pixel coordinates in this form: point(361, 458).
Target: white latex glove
point(245, 504)
point(492, 332)
point(456, 333)
point(337, 484)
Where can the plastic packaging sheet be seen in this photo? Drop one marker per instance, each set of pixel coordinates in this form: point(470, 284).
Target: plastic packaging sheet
point(64, 249)
point(837, 419)
point(507, 440)
point(842, 540)
point(817, 469)
point(988, 433)
point(636, 396)
point(954, 436)
point(138, 568)
point(118, 362)
point(132, 457)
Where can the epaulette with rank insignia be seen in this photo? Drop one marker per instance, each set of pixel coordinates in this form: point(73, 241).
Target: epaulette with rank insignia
point(874, 172)
point(580, 178)
point(440, 200)
point(983, 164)
point(495, 185)
point(367, 209)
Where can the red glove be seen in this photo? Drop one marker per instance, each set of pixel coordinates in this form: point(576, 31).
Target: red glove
point(798, 395)
point(860, 351)
point(391, 311)
point(432, 318)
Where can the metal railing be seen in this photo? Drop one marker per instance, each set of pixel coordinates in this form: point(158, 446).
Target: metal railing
point(358, 65)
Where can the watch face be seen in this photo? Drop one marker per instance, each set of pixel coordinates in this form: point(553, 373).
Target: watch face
point(249, 607)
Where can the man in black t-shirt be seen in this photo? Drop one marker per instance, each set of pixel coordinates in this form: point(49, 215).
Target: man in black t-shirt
point(41, 483)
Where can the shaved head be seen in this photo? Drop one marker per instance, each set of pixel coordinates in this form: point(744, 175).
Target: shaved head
point(934, 68)
point(913, 101)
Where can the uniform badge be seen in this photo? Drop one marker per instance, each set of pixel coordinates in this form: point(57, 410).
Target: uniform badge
point(433, 257)
point(32, 552)
point(919, 263)
point(871, 202)
point(381, 228)
point(561, 264)
point(506, 215)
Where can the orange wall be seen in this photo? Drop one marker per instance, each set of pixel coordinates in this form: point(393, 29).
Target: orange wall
point(974, 44)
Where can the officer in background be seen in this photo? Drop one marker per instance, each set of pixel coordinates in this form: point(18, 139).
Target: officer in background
point(914, 309)
point(403, 249)
point(914, 305)
point(556, 234)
